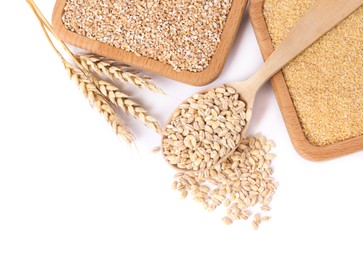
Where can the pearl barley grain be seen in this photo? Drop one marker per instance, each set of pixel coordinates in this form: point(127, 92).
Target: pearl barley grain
point(227, 221)
point(229, 183)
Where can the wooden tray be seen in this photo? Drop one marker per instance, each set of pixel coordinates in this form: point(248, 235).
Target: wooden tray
point(193, 78)
point(297, 136)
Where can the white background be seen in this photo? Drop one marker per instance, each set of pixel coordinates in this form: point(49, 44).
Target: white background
point(71, 189)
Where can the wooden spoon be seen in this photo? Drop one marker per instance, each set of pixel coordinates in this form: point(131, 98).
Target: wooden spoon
point(322, 16)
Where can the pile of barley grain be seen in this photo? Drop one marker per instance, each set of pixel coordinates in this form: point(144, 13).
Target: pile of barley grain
point(204, 129)
point(184, 34)
point(241, 183)
point(326, 81)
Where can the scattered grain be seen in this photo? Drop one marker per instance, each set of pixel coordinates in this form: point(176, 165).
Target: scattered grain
point(230, 182)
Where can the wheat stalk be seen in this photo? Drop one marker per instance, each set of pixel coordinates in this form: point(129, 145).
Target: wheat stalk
point(102, 94)
point(83, 79)
point(96, 98)
point(113, 93)
point(127, 105)
point(115, 71)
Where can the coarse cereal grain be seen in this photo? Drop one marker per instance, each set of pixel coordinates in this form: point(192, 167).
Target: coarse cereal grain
point(227, 220)
point(265, 218)
point(229, 183)
point(255, 225)
point(265, 208)
point(193, 140)
point(257, 218)
point(326, 80)
point(183, 34)
point(156, 149)
point(183, 194)
point(174, 186)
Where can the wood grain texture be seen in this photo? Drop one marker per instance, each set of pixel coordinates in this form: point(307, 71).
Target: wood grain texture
point(297, 136)
point(193, 78)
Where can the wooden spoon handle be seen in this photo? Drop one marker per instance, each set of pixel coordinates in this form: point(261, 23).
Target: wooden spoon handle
point(322, 16)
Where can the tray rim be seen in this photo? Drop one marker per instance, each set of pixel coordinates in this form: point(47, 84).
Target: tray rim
point(300, 142)
point(202, 78)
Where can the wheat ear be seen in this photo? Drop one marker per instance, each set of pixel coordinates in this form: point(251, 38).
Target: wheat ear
point(95, 97)
point(115, 71)
point(85, 81)
point(127, 105)
point(113, 93)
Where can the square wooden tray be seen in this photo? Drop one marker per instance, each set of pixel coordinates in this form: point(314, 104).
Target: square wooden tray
point(297, 136)
point(193, 78)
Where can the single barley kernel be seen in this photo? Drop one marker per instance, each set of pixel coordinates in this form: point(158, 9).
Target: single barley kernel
point(194, 192)
point(156, 149)
point(174, 185)
point(204, 189)
point(257, 218)
point(227, 202)
point(212, 207)
point(255, 225)
point(183, 194)
point(244, 216)
point(248, 114)
point(247, 213)
point(265, 208)
point(227, 221)
point(198, 199)
point(265, 218)
point(205, 204)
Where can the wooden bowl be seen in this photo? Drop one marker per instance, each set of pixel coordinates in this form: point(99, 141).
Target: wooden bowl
point(297, 136)
point(193, 78)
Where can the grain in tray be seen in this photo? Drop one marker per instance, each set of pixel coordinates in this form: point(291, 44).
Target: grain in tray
point(326, 81)
point(182, 33)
